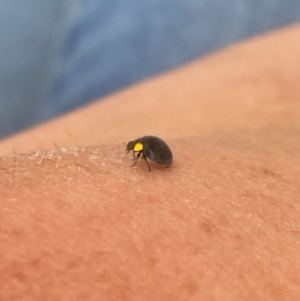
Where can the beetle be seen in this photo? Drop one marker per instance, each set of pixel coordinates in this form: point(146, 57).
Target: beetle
point(150, 147)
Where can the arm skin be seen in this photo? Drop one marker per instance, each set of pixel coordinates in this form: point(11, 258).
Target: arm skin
point(80, 223)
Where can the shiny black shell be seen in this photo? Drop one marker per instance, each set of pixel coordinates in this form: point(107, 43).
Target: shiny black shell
point(154, 149)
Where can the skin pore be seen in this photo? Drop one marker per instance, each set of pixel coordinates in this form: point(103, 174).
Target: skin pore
point(79, 223)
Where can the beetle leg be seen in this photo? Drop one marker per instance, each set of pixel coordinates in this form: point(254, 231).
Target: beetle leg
point(133, 156)
point(136, 158)
point(145, 158)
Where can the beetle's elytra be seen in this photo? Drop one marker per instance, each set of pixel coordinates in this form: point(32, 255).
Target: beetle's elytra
point(150, 147)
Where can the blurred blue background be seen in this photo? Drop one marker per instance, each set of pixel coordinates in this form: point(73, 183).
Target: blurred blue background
point(60, 54)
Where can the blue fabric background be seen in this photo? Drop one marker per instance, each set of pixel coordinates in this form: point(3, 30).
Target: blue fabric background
point(60, 54)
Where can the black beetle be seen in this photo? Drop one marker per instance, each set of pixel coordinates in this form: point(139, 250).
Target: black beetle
point(150, 147)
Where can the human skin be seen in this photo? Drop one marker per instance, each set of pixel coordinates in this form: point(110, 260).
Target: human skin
point(79, 223)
